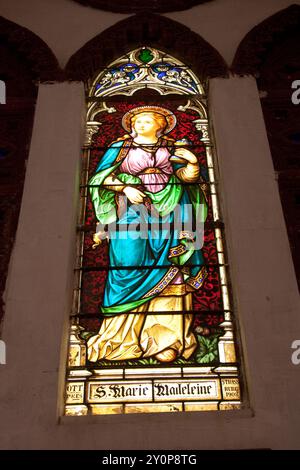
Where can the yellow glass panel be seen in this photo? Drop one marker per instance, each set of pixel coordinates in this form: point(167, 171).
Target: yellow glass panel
point(219, 241)
point(116, 392)
point(231, 389)
point(211, 175)
point(209, 157)
point(230, 406)
point(215, 207)
point(153, 407)
point(187, 390)
point(152, 372)
point(106, 409)
point(225, 296)
point(223, 277)
point(221, 257)
point(200, 372)
point(209, 406)
point(79, 410)
point(109, 373)
point(74, 392)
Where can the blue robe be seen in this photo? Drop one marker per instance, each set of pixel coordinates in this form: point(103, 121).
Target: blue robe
point(141, 267)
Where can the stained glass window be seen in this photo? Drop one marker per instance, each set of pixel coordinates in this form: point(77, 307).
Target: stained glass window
point(152, 318)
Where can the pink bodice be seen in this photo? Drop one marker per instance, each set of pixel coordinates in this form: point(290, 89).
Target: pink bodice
point(138, 159)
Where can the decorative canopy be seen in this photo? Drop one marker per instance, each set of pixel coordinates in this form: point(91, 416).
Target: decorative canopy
point(146, 68)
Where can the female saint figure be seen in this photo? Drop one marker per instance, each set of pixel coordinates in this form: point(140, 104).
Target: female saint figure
point(148, 293)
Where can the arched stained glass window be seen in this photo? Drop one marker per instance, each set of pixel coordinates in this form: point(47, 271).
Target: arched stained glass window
point(151, 323)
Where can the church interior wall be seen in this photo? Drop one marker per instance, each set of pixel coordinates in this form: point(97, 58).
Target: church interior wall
point(39, 285)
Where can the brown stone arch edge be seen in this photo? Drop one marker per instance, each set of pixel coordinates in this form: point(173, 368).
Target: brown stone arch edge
point(135, 6)
point(270, 52)
point(146, 30)
point(41, 60)
point(256, 45)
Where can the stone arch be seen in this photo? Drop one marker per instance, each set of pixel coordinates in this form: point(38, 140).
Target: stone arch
point(269, 52)
point(256, 45)
point(39, 57)
point(134, 6)
point(152, 30)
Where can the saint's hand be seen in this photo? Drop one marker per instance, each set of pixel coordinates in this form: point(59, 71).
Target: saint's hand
point(97, 240)
point(186, 155)
point(134, 195)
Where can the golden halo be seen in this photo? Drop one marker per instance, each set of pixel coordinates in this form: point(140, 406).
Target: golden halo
point(170, 117)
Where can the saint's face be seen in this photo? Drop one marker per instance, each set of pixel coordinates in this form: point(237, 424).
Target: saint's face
point(146, 125)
